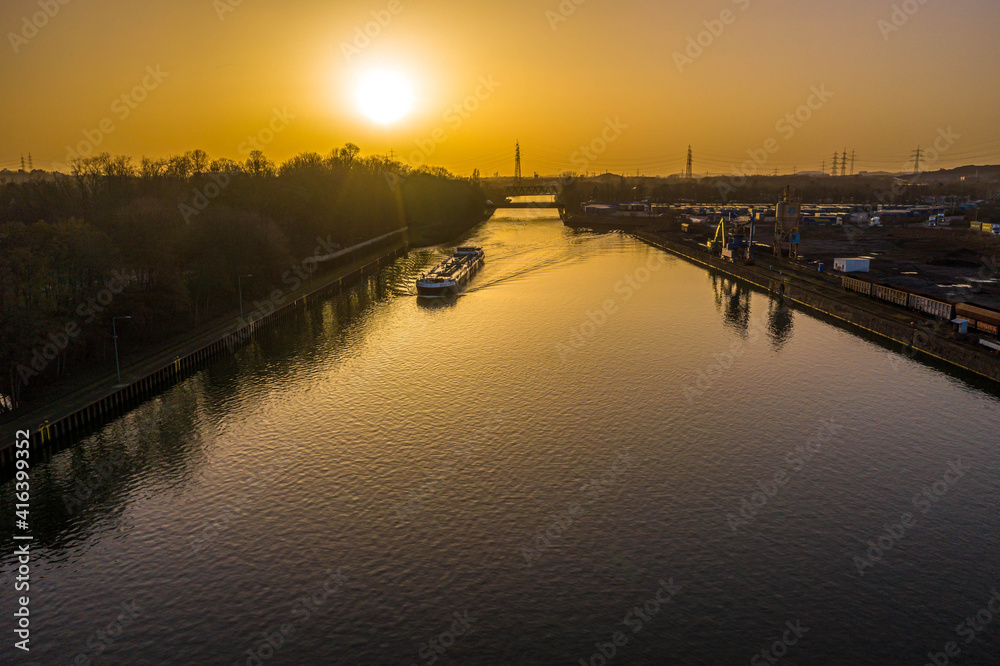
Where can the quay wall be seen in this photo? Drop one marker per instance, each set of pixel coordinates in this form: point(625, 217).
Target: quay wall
point(840, 306)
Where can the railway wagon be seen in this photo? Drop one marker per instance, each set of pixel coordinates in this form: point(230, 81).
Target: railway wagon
point(854, 284)
point(982, 319)
point(938, 309)
point(884, 293)
point(979, 318)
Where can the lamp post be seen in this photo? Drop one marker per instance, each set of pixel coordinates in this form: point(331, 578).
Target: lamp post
point(114, 332)
point(239, 282)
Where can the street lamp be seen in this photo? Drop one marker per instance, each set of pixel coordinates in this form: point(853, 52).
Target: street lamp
point(114, 332)
point(239, 282)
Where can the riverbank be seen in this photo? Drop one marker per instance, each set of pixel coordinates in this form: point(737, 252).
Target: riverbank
point(86, 407)
point(914, 333)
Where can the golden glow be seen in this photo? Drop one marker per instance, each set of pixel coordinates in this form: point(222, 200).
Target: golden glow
point(384, 96)
point(560, 71)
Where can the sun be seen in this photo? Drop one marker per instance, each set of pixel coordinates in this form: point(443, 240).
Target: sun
point(384, 96)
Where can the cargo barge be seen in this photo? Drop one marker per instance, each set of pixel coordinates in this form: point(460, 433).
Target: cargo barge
point(451, 275)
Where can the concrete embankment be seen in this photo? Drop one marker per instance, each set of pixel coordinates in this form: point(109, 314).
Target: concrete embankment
point(913, 333)
point(89, 407)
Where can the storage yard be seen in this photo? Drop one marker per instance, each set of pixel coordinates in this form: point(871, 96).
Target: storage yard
point(953, 264)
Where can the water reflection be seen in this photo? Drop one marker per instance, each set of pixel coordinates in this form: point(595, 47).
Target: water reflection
point(89, 483)
point(221, 503)
point(779, 322)
point(732, 298)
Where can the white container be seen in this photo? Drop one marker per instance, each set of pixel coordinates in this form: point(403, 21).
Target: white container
point(851, 265)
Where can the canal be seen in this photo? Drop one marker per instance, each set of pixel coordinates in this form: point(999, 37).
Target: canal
point(599, 452)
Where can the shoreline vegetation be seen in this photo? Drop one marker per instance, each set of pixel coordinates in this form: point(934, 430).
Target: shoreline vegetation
point(173, 244)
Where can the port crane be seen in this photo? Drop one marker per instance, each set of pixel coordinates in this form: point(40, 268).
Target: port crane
point(734, 239)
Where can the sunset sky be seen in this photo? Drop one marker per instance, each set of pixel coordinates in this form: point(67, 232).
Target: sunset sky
point(606, 74)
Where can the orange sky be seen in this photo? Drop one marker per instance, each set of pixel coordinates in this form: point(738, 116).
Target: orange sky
point(607, 76)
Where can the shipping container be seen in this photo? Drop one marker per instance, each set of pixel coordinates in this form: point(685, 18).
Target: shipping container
point(985, 227)
point(983, 327)
point(976, 313)
point(851, 265)
point(982, 319)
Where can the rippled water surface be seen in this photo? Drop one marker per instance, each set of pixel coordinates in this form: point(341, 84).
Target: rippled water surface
point(595, 438)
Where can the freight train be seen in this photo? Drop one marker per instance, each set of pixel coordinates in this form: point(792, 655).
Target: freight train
point(981, 319)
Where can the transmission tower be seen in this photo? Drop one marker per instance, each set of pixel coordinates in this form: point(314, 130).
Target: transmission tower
point(916, 160)
point(843, 164)
point(836, 157)
point(517, 161)
point(689, 174)
point(31, 167)
point(22, 161)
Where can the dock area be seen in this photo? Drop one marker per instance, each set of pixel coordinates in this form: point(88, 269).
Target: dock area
point(822, 293)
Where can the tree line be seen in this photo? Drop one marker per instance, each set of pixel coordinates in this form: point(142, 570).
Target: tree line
point(164, 241)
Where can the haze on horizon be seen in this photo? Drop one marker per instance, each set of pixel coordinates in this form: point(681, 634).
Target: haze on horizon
point(553, 75)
